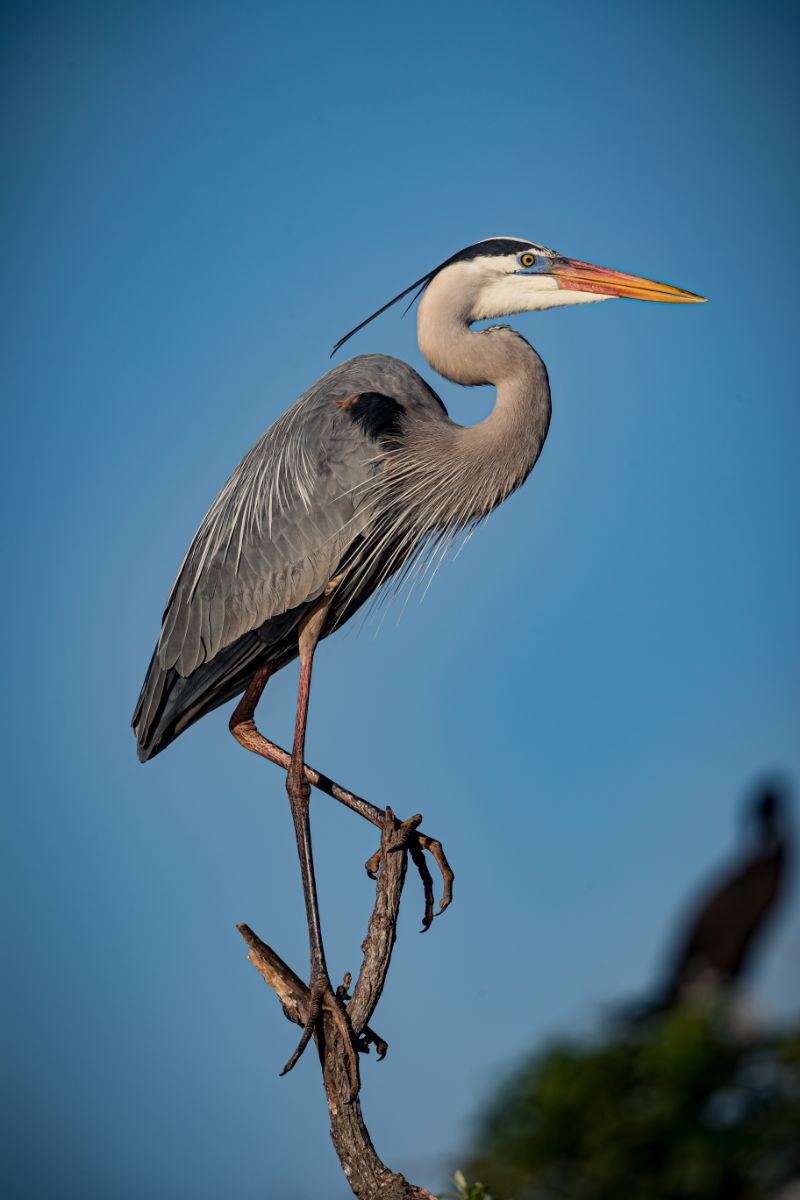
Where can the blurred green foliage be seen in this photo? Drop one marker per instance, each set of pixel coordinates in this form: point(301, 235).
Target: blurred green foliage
point(683, 1109)
point(466, 1191)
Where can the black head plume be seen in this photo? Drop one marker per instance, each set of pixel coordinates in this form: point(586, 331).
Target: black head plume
point(420, 283)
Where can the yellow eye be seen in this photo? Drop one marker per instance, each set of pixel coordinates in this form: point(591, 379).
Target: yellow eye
point(526, 260)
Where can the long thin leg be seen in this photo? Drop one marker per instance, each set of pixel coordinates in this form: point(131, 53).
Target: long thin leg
point(243, 728)
point(322, 994)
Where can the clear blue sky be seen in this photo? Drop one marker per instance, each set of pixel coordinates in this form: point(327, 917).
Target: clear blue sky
point(199, 199)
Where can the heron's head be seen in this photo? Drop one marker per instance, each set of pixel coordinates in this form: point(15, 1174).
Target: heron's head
point(767, 811)
point(501, 276)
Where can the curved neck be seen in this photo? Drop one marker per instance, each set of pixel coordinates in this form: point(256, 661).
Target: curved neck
point(503, 448)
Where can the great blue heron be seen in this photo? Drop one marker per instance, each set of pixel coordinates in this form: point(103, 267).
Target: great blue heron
point(362, 481)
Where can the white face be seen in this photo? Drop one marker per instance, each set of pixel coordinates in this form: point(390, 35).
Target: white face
point(501, 285)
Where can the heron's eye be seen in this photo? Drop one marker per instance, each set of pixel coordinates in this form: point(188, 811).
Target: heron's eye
point(526, 259)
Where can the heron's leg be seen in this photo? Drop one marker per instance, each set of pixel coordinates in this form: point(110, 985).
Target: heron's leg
point(322, 996)
point(243, 728)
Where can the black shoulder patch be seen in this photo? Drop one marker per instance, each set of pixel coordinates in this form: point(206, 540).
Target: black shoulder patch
point(379, 416)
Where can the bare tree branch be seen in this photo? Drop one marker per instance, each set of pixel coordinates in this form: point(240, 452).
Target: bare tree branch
point(368, 1177)
point(382, 930)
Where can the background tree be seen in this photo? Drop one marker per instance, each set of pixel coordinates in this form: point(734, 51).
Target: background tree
point(684, 1109)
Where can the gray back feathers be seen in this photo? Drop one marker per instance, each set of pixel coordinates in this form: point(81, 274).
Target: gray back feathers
point(281, 524)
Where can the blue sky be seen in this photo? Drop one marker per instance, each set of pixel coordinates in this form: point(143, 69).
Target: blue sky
point(199, 199)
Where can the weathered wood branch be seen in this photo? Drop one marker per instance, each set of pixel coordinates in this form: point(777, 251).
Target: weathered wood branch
point(382, 929)
point(368, 1177)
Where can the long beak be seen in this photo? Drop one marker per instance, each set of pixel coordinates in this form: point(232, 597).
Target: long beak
point(576, 276)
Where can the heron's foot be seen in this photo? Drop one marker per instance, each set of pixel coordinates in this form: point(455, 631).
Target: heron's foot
point(322, 999)
point(368, 1037)
point(416, 842)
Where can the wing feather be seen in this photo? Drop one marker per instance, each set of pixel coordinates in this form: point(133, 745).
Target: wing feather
point(274, 535)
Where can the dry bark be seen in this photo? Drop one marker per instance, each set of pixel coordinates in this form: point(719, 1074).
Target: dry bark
point(368, 1177)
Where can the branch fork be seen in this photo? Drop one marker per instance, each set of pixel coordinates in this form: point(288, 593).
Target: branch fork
point(369, 1178)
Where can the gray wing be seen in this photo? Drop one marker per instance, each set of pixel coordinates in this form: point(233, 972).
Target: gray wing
point(274, 535)
point(270, 542)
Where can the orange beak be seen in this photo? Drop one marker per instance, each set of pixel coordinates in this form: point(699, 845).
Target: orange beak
point(577, 276)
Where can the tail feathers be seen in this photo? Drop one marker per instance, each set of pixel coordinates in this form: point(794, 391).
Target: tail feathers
point(169, 703)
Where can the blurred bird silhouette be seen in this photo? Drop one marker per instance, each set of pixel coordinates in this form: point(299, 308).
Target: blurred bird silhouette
point(723, 930)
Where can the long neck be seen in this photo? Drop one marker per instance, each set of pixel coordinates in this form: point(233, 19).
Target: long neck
point(499, 452)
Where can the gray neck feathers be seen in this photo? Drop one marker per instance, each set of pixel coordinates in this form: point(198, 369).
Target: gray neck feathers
point(445, 478)
point(497, 454)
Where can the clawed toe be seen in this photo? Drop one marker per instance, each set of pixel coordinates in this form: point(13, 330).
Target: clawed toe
point(372, 864)
point(323, 1000)
point(368, 1037)
point(417, 842)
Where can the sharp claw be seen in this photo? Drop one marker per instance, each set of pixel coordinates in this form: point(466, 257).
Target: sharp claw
point(418, 858)
point(371, 865)
point(305, 1037)
point(370, 1038)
